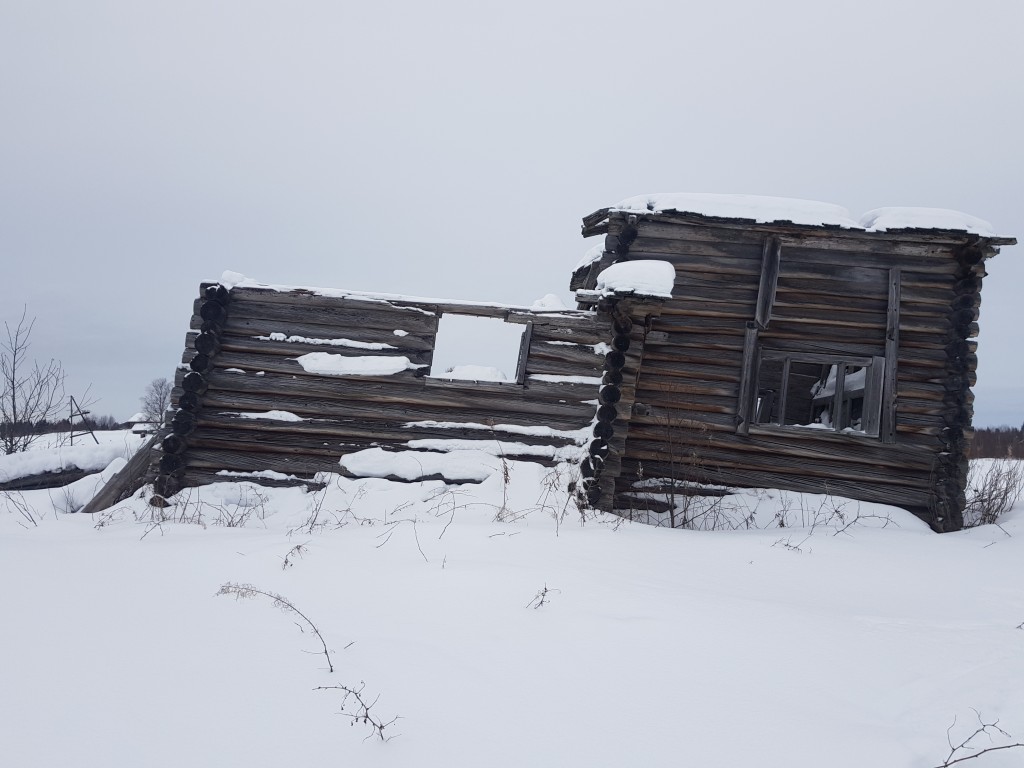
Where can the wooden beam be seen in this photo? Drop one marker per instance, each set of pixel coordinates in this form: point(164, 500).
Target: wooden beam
point(769, 281)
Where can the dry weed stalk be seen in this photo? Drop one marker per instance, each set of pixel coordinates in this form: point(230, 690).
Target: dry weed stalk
point(248, 591)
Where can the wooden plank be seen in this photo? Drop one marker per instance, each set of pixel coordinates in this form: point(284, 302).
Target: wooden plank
point(451, 406)
point(549, 367)
point(933, 259)
point(746, 269)
point(700, 309)
point(920, 243)
point(566, 354)
point(322, 322)
point(769, 281)
point(892, 353)
point(394, 430)
point(884, 494)
point(251, 342)
point(748, 379)
point(244, 461)
point(251, 362)
point(524, 353)
point(822, 467)
point(197, 477)
point(805, 444)
point(126, 480)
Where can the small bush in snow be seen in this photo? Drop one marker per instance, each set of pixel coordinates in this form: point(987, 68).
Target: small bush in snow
point(993, 487)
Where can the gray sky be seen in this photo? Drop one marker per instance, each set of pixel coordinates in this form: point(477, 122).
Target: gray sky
point(450, 148)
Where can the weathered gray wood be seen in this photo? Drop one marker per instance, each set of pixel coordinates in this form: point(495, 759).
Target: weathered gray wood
point(450, 406)
point(392, 431)
point(858, 489)
point(892, 347)
point(748, 377)
point(769, 281)
point(322, 322)
point(128, 479)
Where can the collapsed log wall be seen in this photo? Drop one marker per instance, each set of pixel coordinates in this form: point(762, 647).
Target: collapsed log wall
point(244, 404)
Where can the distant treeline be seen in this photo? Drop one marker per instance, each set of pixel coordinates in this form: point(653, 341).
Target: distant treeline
point(97, 423)
point(998, 443)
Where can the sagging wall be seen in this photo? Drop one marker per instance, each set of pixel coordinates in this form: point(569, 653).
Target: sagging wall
point(908, 302)
point(249, 398)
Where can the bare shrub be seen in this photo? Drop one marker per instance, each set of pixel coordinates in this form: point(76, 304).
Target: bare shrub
point(542, 597)
point(359, 709)
point(248, 592)
point(968, 748)
point(17, 504)
point(354, 705)
point(993, 487)
point(30, 392)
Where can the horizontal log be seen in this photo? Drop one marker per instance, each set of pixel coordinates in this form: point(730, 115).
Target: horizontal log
point(649, 245)
point(720, 291)
point(556, 415)
point(244, 461)
point(697, 309)
point(550, 367)
point(690, 404)
point(548, 397)
point(568, 354)
point(814, 329)
point(364, 430)
point(823, 470)
point(551, 333)
point(746, 269)
point(251, 362)
point(663, 375)
point(198, 477)
point(932, 259)
point(812, 445)
point(258, 342)
point(322, 322)
point(883, 494)
point(683, 226)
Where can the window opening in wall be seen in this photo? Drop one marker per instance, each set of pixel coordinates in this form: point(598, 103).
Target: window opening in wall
point(819, 392)
point(477, 349)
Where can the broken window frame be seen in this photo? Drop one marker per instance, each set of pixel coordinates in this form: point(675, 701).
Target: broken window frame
point(750, 369)
point(841, 397)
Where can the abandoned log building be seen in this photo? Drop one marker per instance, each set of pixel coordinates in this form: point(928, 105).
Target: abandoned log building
point(791, 348)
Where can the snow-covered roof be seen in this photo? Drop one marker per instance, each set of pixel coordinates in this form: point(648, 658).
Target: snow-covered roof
point(884, 219)
point(763, 210)
point(766, 210)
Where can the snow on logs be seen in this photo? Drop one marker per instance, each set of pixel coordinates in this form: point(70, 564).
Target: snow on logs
point(352, 372)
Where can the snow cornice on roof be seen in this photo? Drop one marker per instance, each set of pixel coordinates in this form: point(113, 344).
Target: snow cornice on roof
point(775, 212)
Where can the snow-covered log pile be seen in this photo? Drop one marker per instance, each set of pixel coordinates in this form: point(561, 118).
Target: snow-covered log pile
point(802, 349)
point(282, 383)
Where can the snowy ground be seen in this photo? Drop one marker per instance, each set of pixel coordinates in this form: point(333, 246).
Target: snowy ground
point(790, 647)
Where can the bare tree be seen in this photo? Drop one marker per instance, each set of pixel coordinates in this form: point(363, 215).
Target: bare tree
point(156, 400)
point(29, 392)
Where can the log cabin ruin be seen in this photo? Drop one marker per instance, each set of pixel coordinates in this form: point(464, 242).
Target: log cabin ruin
point(722, 341)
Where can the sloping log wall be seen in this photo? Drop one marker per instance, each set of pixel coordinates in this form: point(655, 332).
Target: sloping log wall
point(244, 404)
point(910, 299)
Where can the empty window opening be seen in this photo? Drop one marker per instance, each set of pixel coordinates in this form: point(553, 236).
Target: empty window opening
point(819, 393)
point(477, 349)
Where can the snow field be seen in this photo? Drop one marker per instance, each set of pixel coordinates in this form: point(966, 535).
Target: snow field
point(798, 646)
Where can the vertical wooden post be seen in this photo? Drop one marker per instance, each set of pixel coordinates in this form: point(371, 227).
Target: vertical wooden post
point(892, 348)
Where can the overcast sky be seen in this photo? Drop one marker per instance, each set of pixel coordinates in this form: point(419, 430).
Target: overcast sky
point(451, 148)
